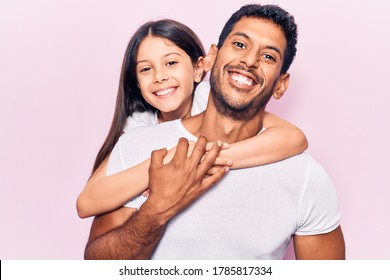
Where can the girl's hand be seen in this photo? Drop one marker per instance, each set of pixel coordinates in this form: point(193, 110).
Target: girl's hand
point(146, 193)
point(219, 161)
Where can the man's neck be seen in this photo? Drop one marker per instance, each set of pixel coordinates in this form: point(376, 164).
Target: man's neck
point(215, 126)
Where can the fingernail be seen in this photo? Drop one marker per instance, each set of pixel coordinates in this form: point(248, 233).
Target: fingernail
point(229, 162)
point(219, 143)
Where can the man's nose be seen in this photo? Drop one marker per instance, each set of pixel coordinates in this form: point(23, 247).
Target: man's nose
point(250, 59)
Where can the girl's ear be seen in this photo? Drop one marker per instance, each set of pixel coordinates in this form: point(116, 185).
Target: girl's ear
point(281, 85)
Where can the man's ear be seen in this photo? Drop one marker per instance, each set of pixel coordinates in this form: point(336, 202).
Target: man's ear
point(281, 86)
point(209, 60)
point(199, 70)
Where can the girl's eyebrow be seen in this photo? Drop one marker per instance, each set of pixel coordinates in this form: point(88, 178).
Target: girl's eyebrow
point(168, 54)
point(242, 34)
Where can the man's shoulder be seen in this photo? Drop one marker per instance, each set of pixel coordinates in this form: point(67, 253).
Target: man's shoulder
point(302, 159)
point(314, 171)
point(303, 163)
point(310, 161)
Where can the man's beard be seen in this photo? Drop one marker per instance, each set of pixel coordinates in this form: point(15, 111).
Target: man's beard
point(234, 109)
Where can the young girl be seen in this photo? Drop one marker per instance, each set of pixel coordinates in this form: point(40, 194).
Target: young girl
point(163, 63)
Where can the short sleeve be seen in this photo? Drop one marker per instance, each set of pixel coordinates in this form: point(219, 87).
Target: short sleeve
point(140, 119)
point(319, 209)
point(115, 163)
point(136, 202)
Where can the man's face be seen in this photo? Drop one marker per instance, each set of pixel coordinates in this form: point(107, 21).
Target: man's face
point(247, 68)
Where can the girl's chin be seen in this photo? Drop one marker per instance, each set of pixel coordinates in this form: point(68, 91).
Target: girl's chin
point(167, 108)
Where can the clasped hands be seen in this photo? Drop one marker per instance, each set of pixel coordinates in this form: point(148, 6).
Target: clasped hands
point(189, 174)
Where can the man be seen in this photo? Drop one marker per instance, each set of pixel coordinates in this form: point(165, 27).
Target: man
point(250, 213)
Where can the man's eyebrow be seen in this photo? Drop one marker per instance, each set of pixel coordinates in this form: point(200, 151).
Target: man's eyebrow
point(168, 54)
point(276, 50)
point(242, 34)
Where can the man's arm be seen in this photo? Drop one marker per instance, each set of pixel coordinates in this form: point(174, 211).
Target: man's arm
point(123, 234)
point(130, 234)
point(329, 246)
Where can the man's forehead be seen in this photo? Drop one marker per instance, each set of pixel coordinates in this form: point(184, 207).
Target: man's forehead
point(256, 27)
point(254, 23)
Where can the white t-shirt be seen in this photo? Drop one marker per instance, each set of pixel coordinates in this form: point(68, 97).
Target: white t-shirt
point(199, 104)
point(250, 214)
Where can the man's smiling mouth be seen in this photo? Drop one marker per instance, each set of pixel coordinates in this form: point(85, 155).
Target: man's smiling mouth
point(242, 76)
point(241, 80)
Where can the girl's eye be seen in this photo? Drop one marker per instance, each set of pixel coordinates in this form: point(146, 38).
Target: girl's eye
point(240, 45)
point(171, 63)
point(144, 69)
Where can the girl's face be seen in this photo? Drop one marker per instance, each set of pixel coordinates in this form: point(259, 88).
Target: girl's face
point(166, 77)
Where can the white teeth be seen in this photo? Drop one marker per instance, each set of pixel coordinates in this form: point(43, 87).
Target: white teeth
point(164, 92)
point(242, 80)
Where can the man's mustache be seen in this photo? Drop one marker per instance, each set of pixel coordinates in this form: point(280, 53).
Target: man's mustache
point(249, 70)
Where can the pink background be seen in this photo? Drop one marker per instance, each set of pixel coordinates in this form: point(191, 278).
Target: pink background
point(59, 70)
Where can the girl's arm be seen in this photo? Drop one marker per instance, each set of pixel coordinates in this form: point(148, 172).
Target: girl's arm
point(106, 193)
point(103, 193)
point(279, 141)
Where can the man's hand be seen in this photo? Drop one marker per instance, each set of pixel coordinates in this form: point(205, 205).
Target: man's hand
point(174, 186)
point(218, 163)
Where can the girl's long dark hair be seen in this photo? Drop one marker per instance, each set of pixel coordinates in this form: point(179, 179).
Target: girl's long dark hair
point(129, 98)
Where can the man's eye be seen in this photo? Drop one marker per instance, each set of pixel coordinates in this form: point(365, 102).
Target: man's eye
point(270, 57)
point(240, 45)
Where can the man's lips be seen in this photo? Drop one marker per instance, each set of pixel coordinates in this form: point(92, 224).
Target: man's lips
point(241, 79)
point(243, 76)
